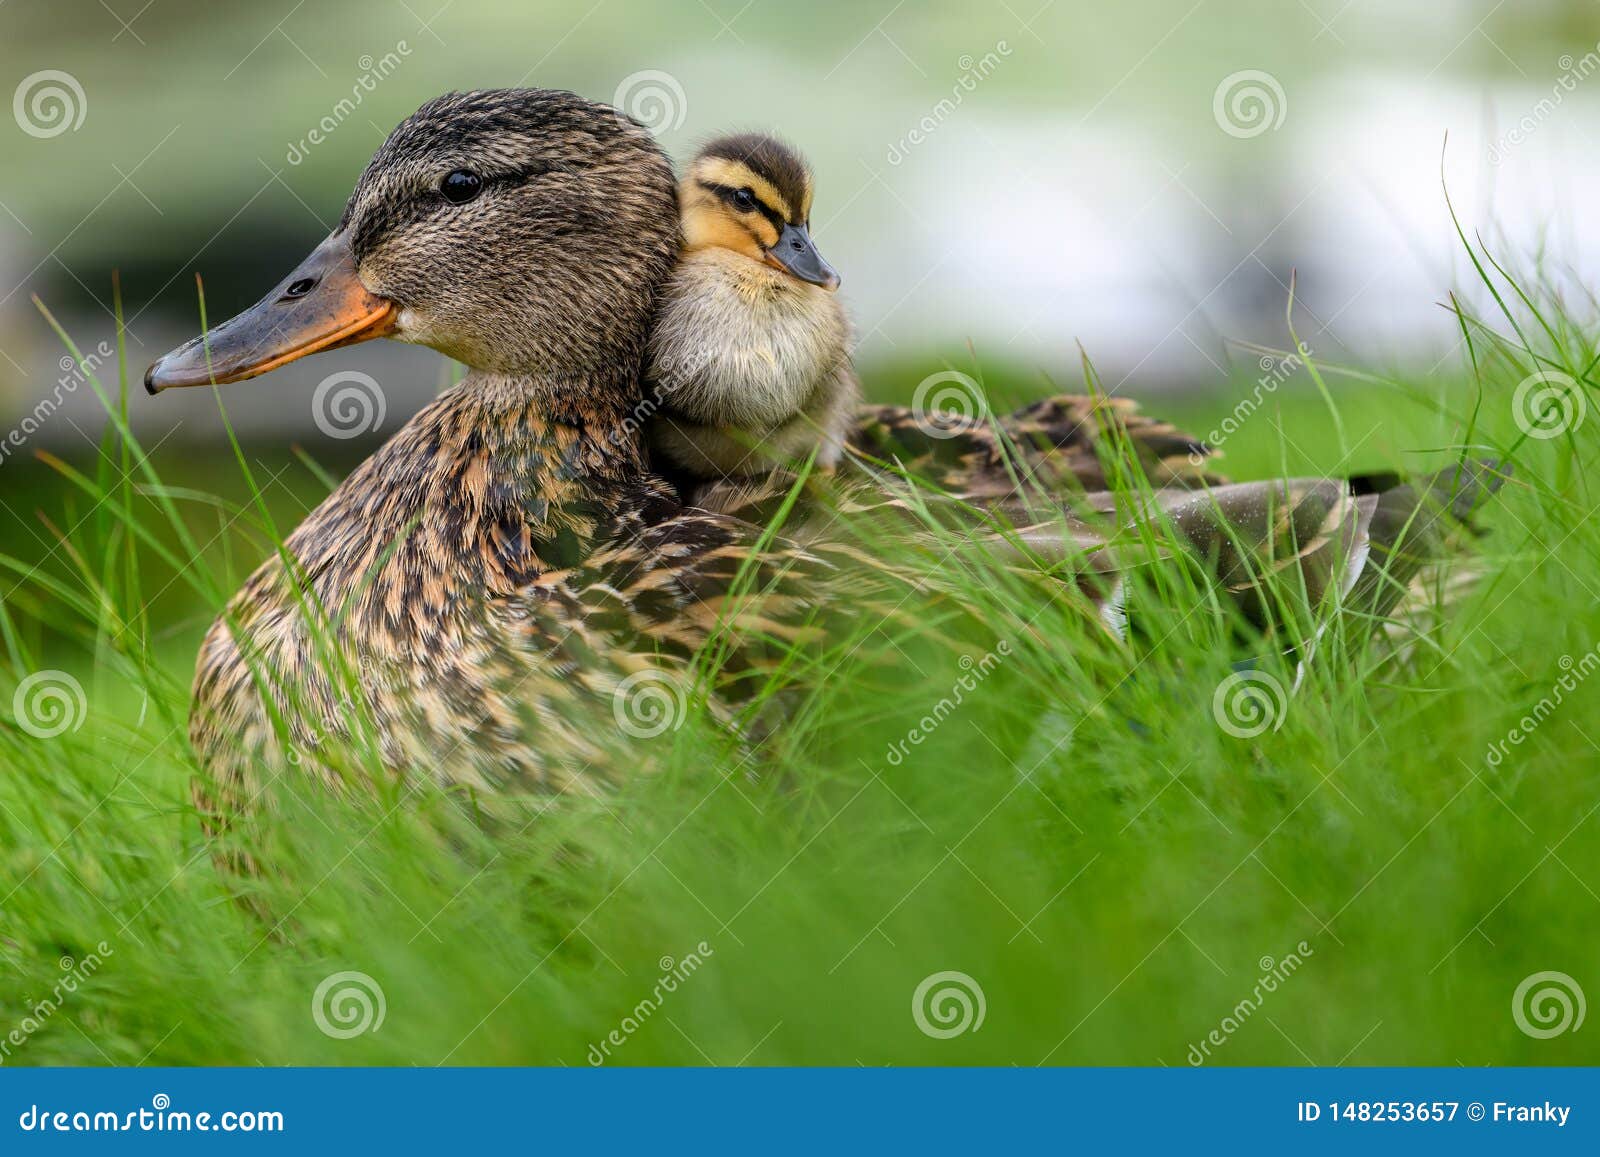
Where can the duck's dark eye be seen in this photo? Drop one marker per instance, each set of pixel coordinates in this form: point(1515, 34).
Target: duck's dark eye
point(744, 198)
point(460, 186)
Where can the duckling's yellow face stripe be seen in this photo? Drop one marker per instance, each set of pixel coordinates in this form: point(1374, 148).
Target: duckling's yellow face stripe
point(736, 175)
point(708, 223)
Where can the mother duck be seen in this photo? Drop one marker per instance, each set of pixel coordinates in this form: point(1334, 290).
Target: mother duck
point(473, 569)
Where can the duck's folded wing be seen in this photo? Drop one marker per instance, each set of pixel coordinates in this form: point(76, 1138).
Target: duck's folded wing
point(1063, 442)
point(703, 577)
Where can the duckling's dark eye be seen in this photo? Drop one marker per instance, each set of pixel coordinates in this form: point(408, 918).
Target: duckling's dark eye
point(460, 186)
point(744, 199)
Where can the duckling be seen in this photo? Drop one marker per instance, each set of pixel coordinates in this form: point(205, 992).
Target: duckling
point(749, 354)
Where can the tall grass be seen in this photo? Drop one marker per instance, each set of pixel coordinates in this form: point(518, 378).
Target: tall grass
point(1070, 828)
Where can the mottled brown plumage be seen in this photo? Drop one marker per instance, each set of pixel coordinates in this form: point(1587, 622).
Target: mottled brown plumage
point(1057, 444)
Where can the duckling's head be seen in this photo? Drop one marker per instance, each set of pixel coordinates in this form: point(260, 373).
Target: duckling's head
point(520, 231)
point(751, 194)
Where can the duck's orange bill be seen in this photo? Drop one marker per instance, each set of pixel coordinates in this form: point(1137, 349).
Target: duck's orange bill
point(320, 306)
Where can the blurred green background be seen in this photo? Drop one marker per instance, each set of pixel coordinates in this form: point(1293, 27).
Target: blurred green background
point(1006, 188)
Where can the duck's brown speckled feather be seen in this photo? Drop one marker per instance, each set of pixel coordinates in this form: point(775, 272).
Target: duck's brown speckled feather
point(485, 571)
point(1052, 444)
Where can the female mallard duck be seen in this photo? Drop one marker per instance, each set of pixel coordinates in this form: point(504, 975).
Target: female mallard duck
point(749, 352)
point(510, 533)
point(508, 553)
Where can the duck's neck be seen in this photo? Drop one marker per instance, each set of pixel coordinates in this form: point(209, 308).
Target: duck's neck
point(499, 480)
point(554, 430)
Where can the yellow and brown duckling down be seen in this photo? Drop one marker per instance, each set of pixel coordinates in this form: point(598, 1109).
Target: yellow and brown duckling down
point(509, 557)
point(749, 354)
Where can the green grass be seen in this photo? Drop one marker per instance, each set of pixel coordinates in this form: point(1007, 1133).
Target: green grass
point(1078, 836)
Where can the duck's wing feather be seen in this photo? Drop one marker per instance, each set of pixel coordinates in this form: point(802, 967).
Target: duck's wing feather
point(1063, 442)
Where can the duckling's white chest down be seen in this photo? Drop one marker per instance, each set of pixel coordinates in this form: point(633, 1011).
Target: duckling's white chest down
point(750, 367)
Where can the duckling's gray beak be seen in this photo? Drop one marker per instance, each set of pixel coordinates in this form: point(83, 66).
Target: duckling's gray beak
point(321, 305)
point(796, 254)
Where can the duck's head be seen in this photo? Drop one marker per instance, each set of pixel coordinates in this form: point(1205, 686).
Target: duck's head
point(751, 194)
point(520, 231)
